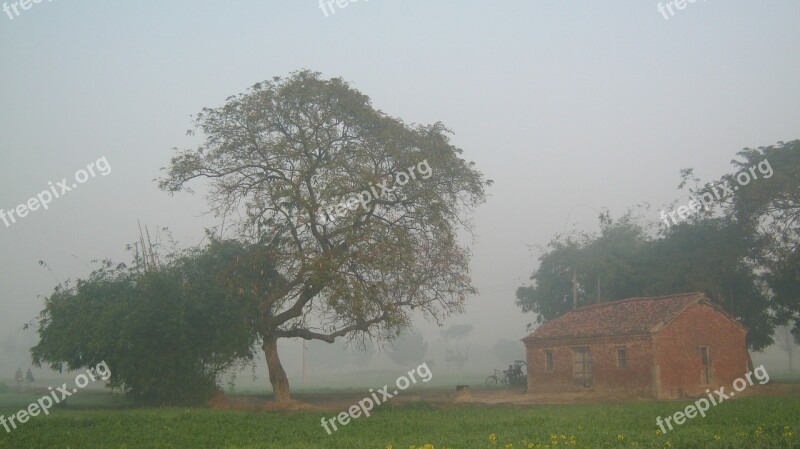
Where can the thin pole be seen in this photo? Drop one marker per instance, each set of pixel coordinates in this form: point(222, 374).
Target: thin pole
point(304, 363)
point(574, 290)
point(598, 288)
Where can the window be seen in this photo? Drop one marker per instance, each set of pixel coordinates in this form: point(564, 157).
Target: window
point(706, 365)
point(548, 360)
point(622, 358)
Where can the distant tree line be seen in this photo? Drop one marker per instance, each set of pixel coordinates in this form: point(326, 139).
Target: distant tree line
point(743, 252)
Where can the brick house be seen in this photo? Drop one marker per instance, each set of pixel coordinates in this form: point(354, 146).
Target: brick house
point(665, 347)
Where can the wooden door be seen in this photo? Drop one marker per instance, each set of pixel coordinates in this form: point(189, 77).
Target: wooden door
point(582, 367)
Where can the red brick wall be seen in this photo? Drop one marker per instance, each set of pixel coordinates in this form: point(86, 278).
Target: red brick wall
point(678, 357)
point(637, 376)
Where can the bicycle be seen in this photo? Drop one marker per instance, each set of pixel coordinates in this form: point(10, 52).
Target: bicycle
point(493, 380)
point(514, 376)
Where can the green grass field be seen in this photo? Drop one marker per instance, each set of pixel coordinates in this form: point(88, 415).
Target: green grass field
point(91, 421)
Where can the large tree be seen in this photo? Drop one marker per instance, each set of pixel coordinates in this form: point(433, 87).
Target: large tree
point(761, 196)
point(768, 208)
point(358, 210)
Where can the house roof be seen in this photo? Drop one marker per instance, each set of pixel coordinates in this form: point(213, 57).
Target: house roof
point(633, 316)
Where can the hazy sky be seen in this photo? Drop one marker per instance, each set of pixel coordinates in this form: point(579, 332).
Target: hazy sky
point(570, 106)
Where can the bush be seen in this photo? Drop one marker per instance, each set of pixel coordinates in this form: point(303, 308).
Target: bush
point(166, 333)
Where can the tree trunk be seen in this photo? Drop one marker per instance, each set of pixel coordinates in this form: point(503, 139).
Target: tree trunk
point(277, 376)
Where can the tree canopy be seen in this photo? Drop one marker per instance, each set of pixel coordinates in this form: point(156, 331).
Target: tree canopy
point(358, 211)
point(623, 262)
point(769, 211)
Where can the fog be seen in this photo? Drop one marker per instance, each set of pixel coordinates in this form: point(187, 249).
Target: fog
point(570, 107)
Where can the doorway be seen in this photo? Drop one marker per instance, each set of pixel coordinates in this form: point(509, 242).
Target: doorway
point(582, 367)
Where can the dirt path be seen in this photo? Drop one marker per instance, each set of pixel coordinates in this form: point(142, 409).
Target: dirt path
point(333, 402)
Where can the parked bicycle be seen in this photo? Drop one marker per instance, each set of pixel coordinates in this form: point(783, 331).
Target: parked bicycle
point(515, 376)
point(496, 378)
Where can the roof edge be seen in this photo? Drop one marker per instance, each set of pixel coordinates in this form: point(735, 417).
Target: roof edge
point(637, 298)
point(582, 337)
point(705, 301)
point(701, 295)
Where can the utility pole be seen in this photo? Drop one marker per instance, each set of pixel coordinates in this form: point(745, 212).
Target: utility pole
point(304, 363)
point(574, 290)
point(598, 288)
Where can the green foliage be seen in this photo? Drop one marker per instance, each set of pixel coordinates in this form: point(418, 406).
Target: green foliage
point(769, 209)
point(712, 256)
point(708, 255)
point(785, 282)
point(166, 334)
point(613, 256)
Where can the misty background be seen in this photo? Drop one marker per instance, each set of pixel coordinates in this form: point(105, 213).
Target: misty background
point(569, 107)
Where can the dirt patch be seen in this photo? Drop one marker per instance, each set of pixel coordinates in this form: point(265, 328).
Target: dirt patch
point(337, 402)
point(224, 402)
